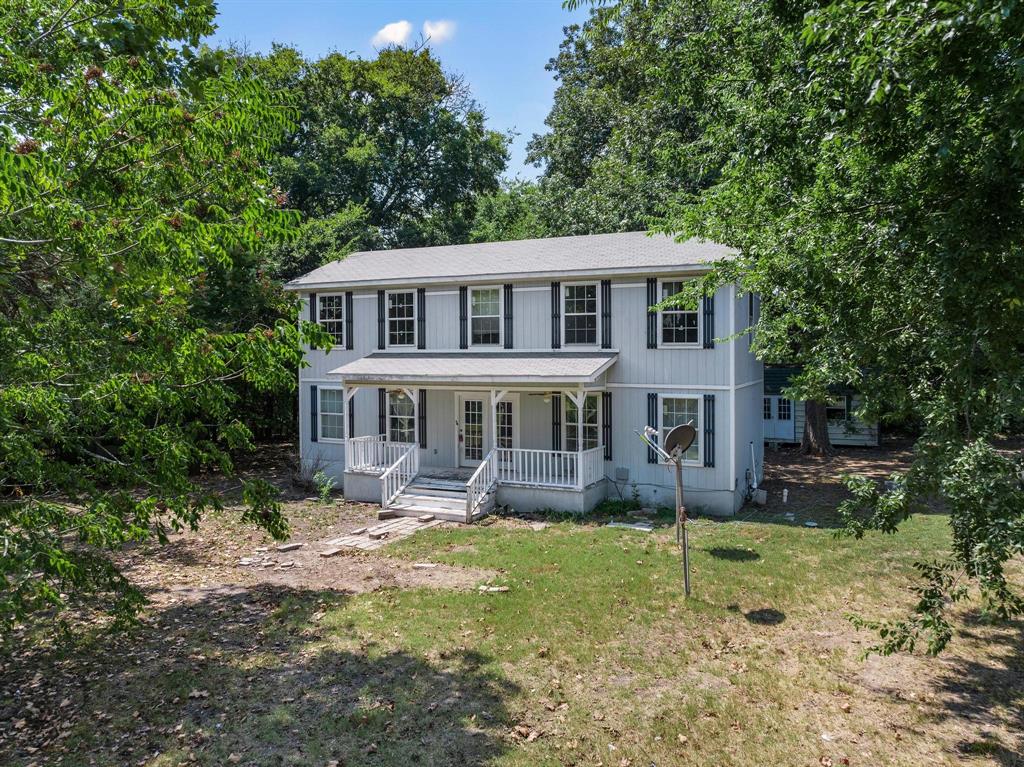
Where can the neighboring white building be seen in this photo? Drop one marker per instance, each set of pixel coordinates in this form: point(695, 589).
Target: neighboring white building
point(519, 372)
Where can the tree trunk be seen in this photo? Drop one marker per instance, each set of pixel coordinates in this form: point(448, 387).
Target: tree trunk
point(815, 439)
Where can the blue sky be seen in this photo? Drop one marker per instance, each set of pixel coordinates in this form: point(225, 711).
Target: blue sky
point(499, 46)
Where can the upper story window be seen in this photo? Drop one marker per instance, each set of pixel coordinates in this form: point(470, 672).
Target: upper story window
point(331, 315)
point(332, 409)
point(580, 314)
point(485, 316)
point(402, 318)
point(678, 327)
point(676, 411)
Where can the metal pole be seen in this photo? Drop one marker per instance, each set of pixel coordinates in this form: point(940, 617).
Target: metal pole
point(681, 537)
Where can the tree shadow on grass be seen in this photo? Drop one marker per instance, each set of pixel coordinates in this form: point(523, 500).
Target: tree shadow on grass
point(271, 676)
point(987, 690)
point(733, 554)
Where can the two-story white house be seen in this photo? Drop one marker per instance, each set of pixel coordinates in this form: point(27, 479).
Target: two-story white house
point(519, 373)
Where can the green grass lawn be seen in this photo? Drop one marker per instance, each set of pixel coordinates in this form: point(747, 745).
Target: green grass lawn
point(591, 657)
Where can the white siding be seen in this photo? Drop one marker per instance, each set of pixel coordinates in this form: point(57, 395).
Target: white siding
point(638, 370)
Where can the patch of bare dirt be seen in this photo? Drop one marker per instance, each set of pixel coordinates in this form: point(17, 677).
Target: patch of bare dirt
point(815, 484)
point(226, 556)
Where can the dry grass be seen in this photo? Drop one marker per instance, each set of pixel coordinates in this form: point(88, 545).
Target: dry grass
point(591, 657)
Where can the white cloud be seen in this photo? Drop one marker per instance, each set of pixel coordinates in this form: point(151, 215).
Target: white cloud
point(439, 31)
point(395, 33)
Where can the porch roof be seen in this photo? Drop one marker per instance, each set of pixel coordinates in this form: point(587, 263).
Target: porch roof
point(508, 368)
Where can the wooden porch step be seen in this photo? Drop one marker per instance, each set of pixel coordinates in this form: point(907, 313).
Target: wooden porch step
point(430, 501)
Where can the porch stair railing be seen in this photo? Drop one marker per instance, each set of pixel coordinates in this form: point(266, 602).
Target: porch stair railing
point(373, 453)
point(399, 475)
point(483, 479)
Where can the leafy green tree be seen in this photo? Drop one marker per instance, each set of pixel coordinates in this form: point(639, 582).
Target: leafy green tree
point(869, 167)
point(134, 208)
point(395, 136)
point(608, 156)
point(512, 213)
point(322, 240)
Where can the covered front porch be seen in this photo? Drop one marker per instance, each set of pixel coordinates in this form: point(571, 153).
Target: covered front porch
point(456, 434)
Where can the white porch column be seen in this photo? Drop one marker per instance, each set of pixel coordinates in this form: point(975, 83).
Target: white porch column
point(579, 397)
point(497, 395)
point(413, 395)
point(347, 394)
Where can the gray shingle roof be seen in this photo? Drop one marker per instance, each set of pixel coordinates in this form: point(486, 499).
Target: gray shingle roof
point(629, 252)
point(522, 367)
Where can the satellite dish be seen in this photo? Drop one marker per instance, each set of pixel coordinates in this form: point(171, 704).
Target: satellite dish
point(680, 438)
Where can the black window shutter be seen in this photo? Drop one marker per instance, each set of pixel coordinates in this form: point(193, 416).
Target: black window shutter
point(350, 341)
point(709, 322)
point(421, 318)
point(381, 319)
point(652, 420)
point(556, 315)
point(556, 422)
point(652, 317)
point(606, 423)
point(508, 317)
point(312, 307)
point(606, 314)
point(312, 413)
point(351, 407)
point(463, 317)
point(421, 418)
point(709, 429)
point(382, 411)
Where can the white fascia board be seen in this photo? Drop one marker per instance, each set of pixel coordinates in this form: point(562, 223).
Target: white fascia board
point(448, 279)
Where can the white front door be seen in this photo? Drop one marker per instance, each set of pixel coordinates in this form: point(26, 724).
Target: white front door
point(471, 422)
point(778, 419)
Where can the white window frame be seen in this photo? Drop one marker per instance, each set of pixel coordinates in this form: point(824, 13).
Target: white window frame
point(388, 320)
point(789, 409)
point(767, 409)
point(699, 426)
point(841, 398)
point(597, 313)
point(567, 422)
point(414, 399)
point(320, 320)
point(320, 414)
point(662, 344)
point(501, 315)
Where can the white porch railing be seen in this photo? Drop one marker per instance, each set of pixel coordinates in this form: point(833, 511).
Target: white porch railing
point(591, 466)
point(481, 482)
point(550, 468)
point(373, 453)
point(399, 474)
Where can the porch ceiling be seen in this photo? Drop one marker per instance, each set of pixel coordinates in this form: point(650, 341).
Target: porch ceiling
point(501, 368)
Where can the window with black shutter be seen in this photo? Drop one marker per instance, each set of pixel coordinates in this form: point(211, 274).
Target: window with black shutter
point(381, 319)
point(508, 317)
point(709, 429)
point(709, 322)
point(312, 307)
point(556, 315)
point(351, 412)
point(350, 341)
point(606, 423)
point(421, 318)
point(421, 417)
point(652, 316)
point(382, 411)
point(463, 317)
point(312, 413)
point(556, 422)
point(606, 314)
point(652, 421)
